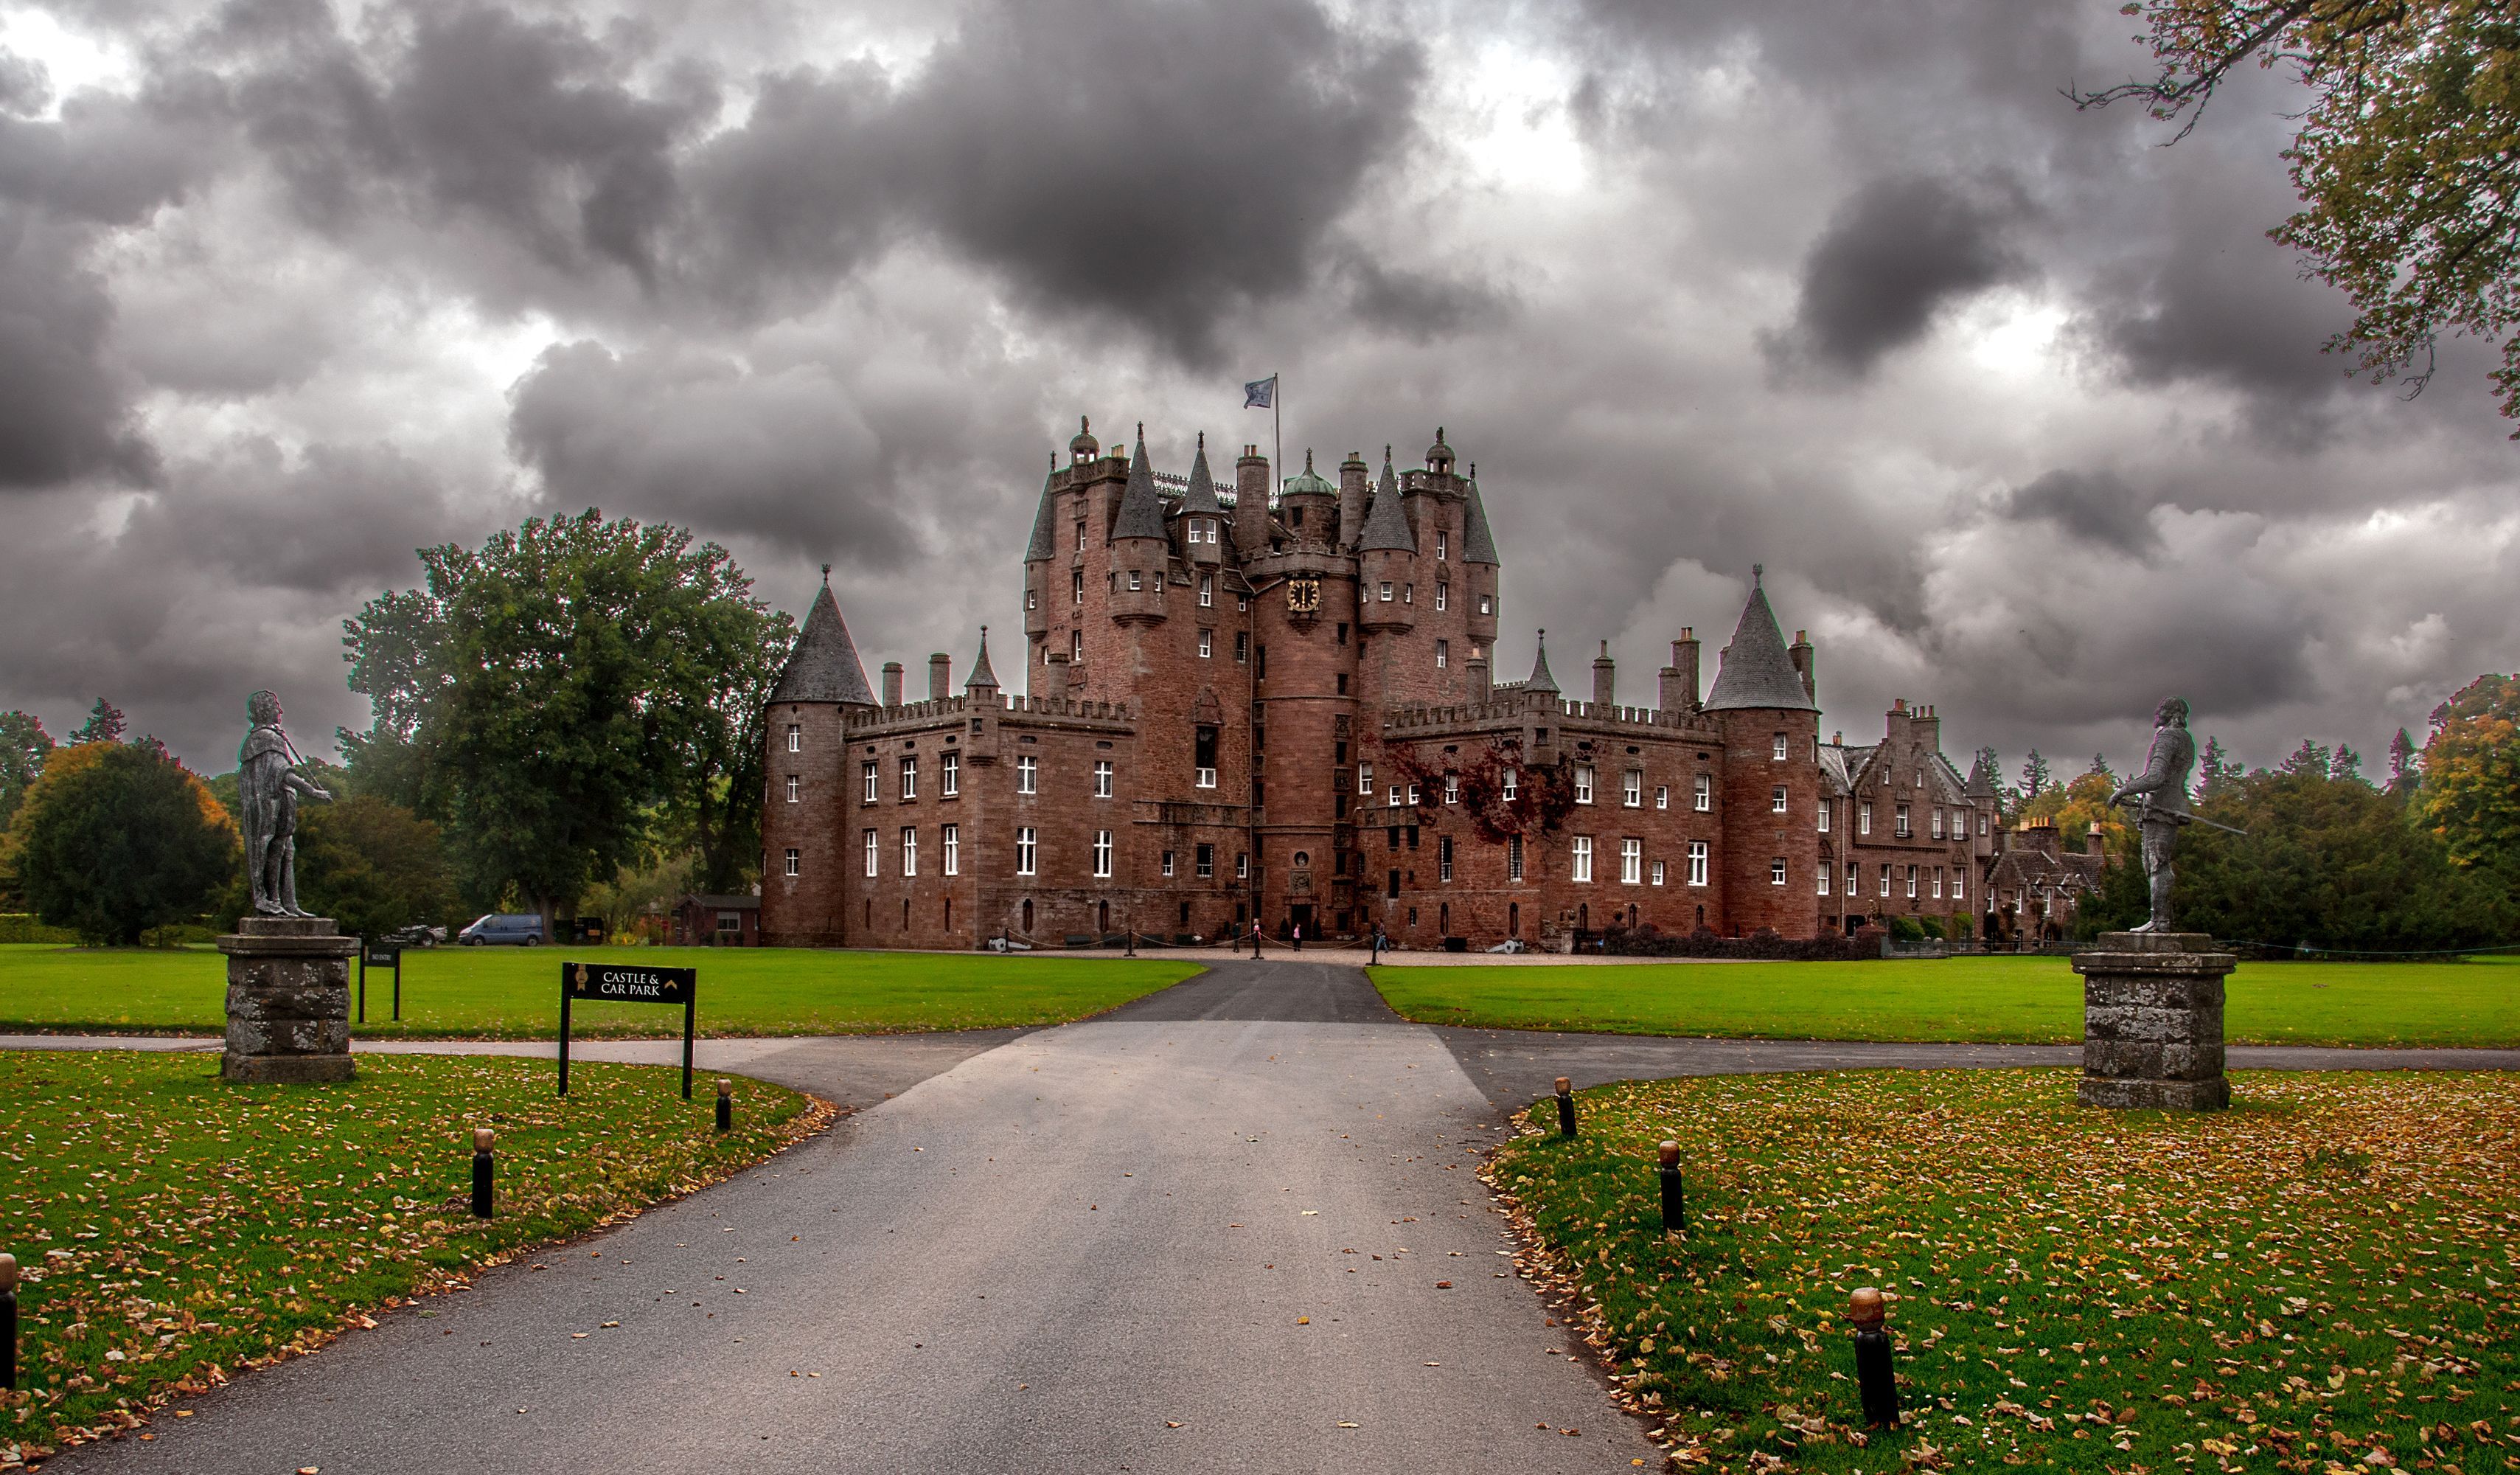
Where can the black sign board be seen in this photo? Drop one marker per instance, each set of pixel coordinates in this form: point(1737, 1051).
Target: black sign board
point(626, 982)
point(376, 952)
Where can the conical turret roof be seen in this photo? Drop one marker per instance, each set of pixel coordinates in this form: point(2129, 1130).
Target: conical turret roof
point(1757, 670)
point(1142, 512)
point(1201, 496)
point(823, 667)
point(1045, 521)
point(1982, 781)
point(1540, 679)
point(1386, 522)
point(981, 674)
point(1478, 544)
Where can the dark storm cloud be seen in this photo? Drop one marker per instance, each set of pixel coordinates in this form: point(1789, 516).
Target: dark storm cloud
point(64, 409)
point(25, 85)
point(782, 456)
point(1419, 305)
point(1894, 255)
point(2098, 507)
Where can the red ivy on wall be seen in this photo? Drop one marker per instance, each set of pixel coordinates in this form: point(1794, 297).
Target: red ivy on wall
point(1542, 798)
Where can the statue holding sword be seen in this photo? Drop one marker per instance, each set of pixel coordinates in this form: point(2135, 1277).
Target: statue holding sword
point(268, 784)
point(2160, 795)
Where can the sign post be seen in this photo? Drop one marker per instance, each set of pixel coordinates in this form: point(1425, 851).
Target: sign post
point(630, 984)
point(380, 954)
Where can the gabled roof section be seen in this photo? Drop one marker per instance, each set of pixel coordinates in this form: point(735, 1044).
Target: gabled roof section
point(1478, 544)
point(1386, 522)
point(823, 667)
point(1045, 522)
point(1757, 672)
point(1540, 679)
point(1201, 496)
point(1838, 767)
point(981, 674)
point(1142, 512)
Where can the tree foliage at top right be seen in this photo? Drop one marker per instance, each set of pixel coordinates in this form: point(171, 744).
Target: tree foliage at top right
point(2406, 162)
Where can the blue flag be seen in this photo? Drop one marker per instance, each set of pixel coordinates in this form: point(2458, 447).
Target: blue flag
point(1260, 394)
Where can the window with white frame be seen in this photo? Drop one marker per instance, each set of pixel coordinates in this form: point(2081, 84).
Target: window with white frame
point(1443, 595)
point(796, 786)
point(1511, 777)
point(1441, 538)
point(1898, 823)
point(1863, 817)
point(1938, 883)
point(1206, 644)
point(1443, 653)
point(1102, 778)
point(1026, 850)
point(1854, 879)
point(1076, 645)
point(1885, 880)
point(1823, 880)
point(1958, 891)
point(1513, 857)
point(1204, 859)
point(1206, 593)
point(1911, 883)
point(909, 776)
point(1408, 593)
point(1658, 873)
point(1981, 827)
point(873, 781)
point(951, 840)
point(1825, 805)
point(1486, 604)
point(1393, 798)
point(1444, 858)
point(909, 850)
point(1581, 855)
point(1777, 748)
point(1776, 800)
point(873, 853)
point(1384, 591)
point(1168, 862)
point(794, 860)
point(1241, 866)
point(1583, 783)
point(1697, 862)
point(1631, 863)
point(1102, 853)
point(1937, 822)
point(1776, 871)
point(1027, 773)
point(1452, 788)
point(1365, 779)
point(1137, 580)
point(1701, 792)
point(1632, 789)
point(795, 738)
point(1662, 796)
point(948, 773)
point(1076, 577)
point(1412, 795)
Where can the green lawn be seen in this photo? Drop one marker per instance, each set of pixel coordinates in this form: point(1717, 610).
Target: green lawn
point(2318, 1279)
point(514, 992)
point(2030, 999)
point(169, 1223)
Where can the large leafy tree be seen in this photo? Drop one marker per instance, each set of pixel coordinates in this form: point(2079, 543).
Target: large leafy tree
point(2470, 789)
point(373, 866)
point(2406, 161)
point(118, 838)
point(567, 698)
point(25, 745)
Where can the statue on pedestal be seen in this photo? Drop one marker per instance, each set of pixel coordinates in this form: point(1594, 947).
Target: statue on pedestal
point(268, 784)
point(2161, 792)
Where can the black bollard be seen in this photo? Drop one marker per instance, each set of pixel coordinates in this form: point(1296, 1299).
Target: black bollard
point(725, 1105)
point(1873, 1375)
point(1565, 1108)
point(1675, 1210)
point(481, 1139)
point(8, 1321)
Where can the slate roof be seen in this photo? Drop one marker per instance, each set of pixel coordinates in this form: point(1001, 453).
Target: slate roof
point(1757, 672)
point(823, 667)
point(1478, 544)
point(1386, 522)
point(1045, 522)
point(1540, 679)
point(1982, 781)
point(1201, 496)
point(981, 674)
point(1142, 512)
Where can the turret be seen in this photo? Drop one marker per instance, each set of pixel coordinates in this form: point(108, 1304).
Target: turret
point(1201, 517)
point(1140, 551)
point(802, 739)
point(1386, 559)
point(1478, 566)
point(1038, 556)
point(1678, 689)
point(1770, 751)
point(982, 687)
point(1252, 504)
point(1308, 505)
point(1542, 688)
point(1352, 494)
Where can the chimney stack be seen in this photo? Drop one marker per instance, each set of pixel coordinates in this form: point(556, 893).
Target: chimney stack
point(1351, 504)
point(1481, 688)
point(1927, 727)
point(1680, 677)
point(1605, 679)
point(892, 683)
point(940, 677)
point(1801, 653)
point(1251, 503)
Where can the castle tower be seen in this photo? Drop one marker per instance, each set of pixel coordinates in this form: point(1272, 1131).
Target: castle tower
point(1039, 567)
point(1140, 552)
point(1201, 517)
point(1308, 506)
point(1479, 594)
point(1770, 821)
point(803, 898)
point(1252, 504)
point(1386, 559)
point(1352, 494)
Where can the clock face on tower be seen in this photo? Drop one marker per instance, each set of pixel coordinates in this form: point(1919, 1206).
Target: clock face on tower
point(1303, 596)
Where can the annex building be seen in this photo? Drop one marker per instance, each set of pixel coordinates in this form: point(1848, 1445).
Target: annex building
point(1249, 701)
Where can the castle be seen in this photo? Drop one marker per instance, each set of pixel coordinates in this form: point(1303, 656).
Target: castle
point(1238, 709)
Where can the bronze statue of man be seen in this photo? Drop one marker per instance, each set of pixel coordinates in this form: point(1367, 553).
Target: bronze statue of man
point(2162, 789)
point(268, 784)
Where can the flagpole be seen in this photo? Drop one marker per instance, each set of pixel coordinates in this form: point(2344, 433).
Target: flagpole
point(1277, 424)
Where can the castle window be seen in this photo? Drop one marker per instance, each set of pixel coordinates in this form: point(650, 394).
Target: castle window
point(1864, 819)
point(1102, 778)
point(1027, 770)
point(1342, 633)
point(1027, 853)
point(1981, 827)
point(1076, 645)
point(1581, 859)
point(794, 783)
point(1206, 593)
point(1512, 778)
point(1631, 863)
point(1854, 878)
point(1076, 584)
point(1823, 880)
point(1776, 871)
point(1938, 823)
point(1957, 892)
point(1391, 837)
point(949, 775)
point(1885, 880)
point(1662, 796)
point(1583, 783)
point(1632, 789)
point(951, 839)
point(1776, 800)
point(1900, 826)
point(1938, 883)
point(1452, 788)
point(1168, 862)
point(1241, 646)
point(1241, 866)
point(1392, 890)
point(1702, 794)
point(1408, 593)
point(1911, 883)
point(795, 738)
point(909, 851)
point(1444, 858)
point(1384, 589)
point(1776, 748)
point(909, 777)
point(1394, 801)
point(1080, 530)
point(1658, 873)
point(1207, 643)
point(1443, 654)
point(1205, 860)
point(1204, 756)
point(1364, 778)
point(873, 855)
point(1513, 857)
point(1440, 538)
point(1342, 683)
point(1137, 581)
point(867, 773)
point(1486, 604)
point(794, 860)
point(1443, 595)
point(1824, 808)
point(1033, 599)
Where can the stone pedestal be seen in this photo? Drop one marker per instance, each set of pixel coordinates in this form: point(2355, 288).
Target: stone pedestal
point(288, 1000)
point(2152, 1022)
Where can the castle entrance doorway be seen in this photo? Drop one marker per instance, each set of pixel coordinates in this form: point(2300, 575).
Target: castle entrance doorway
point(1301, 916)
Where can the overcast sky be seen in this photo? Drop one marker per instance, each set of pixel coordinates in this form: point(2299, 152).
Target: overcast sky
point(2021, 411)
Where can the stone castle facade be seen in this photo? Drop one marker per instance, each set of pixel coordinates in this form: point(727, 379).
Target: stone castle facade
point(1238, 707)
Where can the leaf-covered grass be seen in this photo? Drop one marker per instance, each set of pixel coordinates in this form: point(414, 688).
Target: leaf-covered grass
point(514, 992)
point(2018, 999)
point(2324, 1271)
point(172, 1227)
